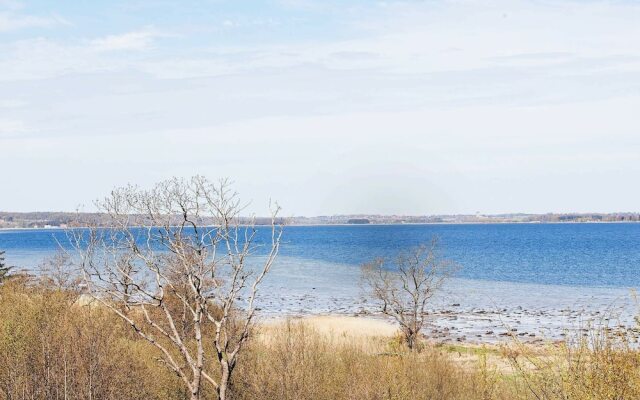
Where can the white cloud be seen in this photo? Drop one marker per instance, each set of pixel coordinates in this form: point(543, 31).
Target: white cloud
point(403, 39)
point(11, 4)
point(137, 40)
point(12, 128)
point(474, 101)
point(11, 21)
point(11, 103)
point(464, 159)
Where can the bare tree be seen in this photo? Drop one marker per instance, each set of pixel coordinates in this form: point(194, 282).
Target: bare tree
point(179, 268)
point(404, 289)
point(59, 271)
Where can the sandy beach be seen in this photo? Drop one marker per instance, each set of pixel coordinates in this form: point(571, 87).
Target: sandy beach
point(344, 325)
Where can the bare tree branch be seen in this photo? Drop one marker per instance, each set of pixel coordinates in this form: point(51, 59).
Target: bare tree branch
point(184, 286)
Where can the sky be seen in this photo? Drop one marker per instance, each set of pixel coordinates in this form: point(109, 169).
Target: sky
point(328, 107)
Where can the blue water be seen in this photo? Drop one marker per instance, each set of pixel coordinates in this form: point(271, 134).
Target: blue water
point(588, 255)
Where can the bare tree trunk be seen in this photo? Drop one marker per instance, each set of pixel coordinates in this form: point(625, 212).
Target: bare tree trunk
point(409, 336)
point(224, 382)
point(411, 340)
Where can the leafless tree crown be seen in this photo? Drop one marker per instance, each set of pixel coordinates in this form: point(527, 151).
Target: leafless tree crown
point(403, 290)
point(187, 287)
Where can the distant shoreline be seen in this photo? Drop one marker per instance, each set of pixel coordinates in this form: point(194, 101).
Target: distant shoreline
point(57, 228)
point(61, 220)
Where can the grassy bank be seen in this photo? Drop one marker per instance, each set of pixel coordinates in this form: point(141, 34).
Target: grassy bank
point(52, 347)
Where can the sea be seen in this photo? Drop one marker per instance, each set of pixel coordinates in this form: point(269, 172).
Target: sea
point(527, 275)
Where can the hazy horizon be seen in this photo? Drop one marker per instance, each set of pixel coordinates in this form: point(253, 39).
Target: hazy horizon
point(389, 107)
point(285, 215)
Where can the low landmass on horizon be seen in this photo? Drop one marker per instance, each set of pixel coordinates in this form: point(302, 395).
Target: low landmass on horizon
point(9, 220)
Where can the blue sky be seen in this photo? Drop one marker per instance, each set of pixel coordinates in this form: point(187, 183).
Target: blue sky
point(395, 107)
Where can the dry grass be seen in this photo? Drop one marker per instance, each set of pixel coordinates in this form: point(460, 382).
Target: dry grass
point(54, 347)
point(602, 365)
point(298, 362)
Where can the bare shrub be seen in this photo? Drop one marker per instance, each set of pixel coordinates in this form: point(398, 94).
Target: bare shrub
point(60, 272)
point(52, 348)
point(403, 290)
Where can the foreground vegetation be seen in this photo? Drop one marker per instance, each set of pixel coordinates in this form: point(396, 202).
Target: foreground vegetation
point(55, 344)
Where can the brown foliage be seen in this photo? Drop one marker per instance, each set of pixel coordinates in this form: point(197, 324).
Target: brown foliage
point(53, 348)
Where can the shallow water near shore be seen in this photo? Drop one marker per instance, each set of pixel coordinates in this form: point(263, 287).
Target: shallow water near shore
point(465, 310)
point(526, 279)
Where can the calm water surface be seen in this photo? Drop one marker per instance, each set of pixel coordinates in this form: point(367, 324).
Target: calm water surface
point(541, 278)
point(583, 255)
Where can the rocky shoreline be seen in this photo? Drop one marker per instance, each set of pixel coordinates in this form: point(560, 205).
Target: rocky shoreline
point(481, 312)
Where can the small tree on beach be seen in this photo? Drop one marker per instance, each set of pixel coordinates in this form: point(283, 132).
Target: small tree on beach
point(179, 265)
point(403, 290)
